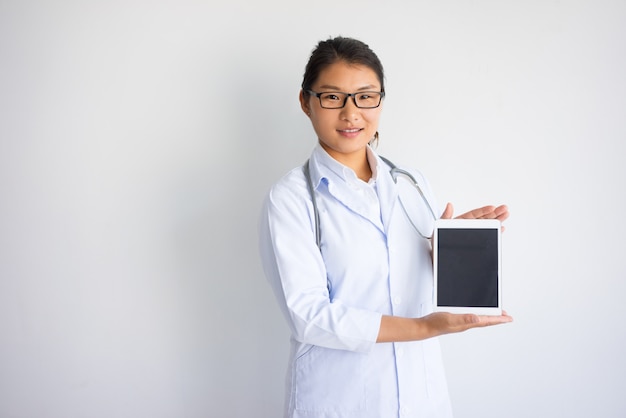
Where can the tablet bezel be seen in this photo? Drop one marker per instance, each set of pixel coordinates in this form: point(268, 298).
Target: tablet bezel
point(467, 224)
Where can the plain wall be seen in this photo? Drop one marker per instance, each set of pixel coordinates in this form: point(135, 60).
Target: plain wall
point(137, 140)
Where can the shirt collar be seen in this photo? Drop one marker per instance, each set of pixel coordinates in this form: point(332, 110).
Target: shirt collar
point(325, 167)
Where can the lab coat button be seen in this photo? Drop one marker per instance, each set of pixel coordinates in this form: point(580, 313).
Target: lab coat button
point(397, 300)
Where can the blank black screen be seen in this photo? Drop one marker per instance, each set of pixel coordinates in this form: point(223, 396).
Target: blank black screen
point(467, 267)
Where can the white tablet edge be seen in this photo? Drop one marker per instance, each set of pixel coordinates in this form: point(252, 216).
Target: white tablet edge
point(472, 224)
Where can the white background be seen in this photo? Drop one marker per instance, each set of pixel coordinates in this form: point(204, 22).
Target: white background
point(138, 138)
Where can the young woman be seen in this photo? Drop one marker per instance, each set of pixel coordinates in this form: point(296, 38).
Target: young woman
point(359, 301)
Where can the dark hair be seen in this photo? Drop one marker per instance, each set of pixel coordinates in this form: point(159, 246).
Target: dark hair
point(338, 49)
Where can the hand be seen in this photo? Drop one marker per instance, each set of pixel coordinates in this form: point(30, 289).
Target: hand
point(440, 323)
point(500, 213)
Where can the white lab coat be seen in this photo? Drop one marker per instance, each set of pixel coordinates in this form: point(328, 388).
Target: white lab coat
point(372, 263)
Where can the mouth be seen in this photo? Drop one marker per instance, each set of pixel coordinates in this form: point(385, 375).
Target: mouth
point(350, 132)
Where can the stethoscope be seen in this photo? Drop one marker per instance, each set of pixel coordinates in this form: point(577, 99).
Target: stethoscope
point(395, 173)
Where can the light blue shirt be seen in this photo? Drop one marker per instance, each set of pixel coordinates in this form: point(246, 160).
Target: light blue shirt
point(372, 263)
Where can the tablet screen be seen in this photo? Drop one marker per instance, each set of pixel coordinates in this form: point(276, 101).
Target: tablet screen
point(467, 263)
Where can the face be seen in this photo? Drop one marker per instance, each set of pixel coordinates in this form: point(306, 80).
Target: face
point(344, 133)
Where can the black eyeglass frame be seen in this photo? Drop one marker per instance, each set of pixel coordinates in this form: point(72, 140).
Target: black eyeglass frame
point(348, 95)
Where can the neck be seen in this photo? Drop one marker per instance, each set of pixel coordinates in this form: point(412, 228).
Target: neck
point(362, 169)
point(357, 161)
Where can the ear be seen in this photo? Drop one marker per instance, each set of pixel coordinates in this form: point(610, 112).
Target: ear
point(304, 104)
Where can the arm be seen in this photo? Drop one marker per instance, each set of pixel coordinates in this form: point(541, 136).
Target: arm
point(297, 274)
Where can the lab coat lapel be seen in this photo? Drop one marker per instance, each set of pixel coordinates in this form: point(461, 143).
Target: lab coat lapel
point(387, 194)
point(355, 202)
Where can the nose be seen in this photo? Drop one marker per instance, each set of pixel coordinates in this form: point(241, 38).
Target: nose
point(350, 111)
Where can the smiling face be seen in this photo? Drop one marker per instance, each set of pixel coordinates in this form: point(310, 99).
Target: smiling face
point(344, 133)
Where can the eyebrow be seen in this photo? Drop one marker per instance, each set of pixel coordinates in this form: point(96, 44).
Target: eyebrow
point(369, 87)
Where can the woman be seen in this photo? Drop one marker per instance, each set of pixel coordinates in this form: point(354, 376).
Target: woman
point(359, 302)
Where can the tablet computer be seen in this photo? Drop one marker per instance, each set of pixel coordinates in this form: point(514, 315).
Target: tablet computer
point(467, 265)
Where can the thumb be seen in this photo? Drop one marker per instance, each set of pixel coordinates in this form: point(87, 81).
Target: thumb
point(448, 211)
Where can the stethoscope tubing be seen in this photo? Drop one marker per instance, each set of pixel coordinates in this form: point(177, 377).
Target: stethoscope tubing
point(394, 172)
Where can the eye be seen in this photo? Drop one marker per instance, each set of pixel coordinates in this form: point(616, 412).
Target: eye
point(330, 96)
point(368, 99)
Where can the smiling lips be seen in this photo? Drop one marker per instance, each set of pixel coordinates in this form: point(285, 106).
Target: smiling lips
point(349, 133)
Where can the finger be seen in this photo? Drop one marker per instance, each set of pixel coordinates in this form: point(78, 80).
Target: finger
point(444, 322)
point(448, 211)
point(488, 320)
point(486, 212)
point(505, 313)
point(501, 212)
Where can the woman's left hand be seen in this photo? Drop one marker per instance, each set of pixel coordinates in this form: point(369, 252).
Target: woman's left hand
point(500, 213)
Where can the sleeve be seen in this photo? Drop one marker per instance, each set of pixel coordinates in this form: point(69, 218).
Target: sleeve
point(295, 270)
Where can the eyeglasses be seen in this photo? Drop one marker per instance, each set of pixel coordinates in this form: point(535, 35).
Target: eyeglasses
point(337, 99)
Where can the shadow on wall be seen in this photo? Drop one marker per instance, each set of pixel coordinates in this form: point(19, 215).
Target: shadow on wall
point(236, 338)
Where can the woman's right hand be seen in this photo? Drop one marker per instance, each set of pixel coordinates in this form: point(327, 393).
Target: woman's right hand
point(440, 323)
point(397, 329)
